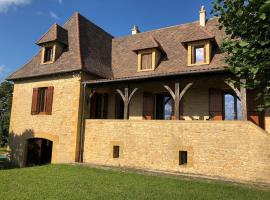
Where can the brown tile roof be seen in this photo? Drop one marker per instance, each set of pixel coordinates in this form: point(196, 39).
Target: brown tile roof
point(89, 49)
point(124, 60)
point(148, 43)
point(93, 50)
point(55, 33)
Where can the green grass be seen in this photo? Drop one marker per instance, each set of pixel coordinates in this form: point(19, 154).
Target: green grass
point(78, 182)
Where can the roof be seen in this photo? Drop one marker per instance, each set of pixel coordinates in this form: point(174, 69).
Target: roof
point(170, 39)
point(55, 33)
point(93, 50)
point(89, 49)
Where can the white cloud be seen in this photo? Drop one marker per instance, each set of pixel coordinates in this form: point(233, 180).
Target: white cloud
point(6, 4)
point(53, 15)
point(2, 68)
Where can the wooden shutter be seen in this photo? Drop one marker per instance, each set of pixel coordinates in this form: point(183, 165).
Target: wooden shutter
point(148, 106)
point(216, 104)
point(146, 61)
point(253, 114)
point(35, 103)
point(93, 106)
point(49, 100)
point(105, 106)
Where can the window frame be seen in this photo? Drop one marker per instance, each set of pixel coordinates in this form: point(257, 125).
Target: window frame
point(154, 62)
point(192, 46)
point(53, 47)
point(45, 89)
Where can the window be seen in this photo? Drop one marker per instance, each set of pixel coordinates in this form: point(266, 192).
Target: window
point(99, 106)
point(183, 157)
point(232, 107)
point(48, 54)
point(116, 151)
point(146, 61)
point(42, 100)
point(199, 53)
point(42, 94)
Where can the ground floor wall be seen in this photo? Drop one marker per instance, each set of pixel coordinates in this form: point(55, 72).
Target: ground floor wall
point(61, 127)
point(234, 150)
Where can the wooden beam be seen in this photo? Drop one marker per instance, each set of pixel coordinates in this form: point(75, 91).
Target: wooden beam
point(177, 96)
point(185, 90)
point(236, 90)
point(126, 99)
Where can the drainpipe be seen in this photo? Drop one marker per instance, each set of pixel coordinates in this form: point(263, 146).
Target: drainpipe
point(81, 146)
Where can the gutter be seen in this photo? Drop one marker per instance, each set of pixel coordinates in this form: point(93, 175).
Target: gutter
point(147, 77)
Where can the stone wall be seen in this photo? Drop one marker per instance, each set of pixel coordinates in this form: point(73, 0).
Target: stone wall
point(234, 150)
point(62, 127)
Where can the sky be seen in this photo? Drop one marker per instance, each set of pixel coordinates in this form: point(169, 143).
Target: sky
point(23, 22)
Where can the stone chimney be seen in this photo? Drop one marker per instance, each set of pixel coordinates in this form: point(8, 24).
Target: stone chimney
point(202, 16)
point(135, 30)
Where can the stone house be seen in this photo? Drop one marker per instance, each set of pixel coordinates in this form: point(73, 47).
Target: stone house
point(156, 100)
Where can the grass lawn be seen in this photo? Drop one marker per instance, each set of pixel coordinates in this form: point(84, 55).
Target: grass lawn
point(78, 182)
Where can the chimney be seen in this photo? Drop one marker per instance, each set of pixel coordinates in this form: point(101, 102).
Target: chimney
point(202, 16)
point(135, 30)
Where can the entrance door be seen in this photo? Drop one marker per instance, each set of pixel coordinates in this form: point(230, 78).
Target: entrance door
point(39, 151)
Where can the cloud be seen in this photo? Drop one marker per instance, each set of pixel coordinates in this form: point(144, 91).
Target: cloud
point(60, 1)
point(2, 68)
point(53, 15)
point(6, 4)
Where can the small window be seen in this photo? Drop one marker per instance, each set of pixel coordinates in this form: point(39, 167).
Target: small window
point(183, 157)
point(199, 55)
point(146, 61)
point(48, 54)
point(42, 94)
point(116, 150)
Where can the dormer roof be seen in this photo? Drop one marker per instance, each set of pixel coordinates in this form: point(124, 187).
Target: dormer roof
point(147, 43)
point(198, 34)
point(55, 34)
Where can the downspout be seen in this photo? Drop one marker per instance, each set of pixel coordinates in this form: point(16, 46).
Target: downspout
point(81, 146)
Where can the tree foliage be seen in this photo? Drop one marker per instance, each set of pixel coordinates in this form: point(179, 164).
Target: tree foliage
point(247, 45)
point(6, 90)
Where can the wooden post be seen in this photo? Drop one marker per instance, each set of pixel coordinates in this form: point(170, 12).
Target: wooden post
point(243, 97)
point(177, 96)
point(126, 99)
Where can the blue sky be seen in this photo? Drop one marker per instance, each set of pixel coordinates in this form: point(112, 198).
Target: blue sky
point(22, 22)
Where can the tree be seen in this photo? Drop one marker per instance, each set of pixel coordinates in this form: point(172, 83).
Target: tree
point(247, 45)
point(6, 90)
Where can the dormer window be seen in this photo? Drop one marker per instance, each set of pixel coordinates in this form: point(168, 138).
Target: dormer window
point(199, 53)
point(148, 59)
point(48, 54)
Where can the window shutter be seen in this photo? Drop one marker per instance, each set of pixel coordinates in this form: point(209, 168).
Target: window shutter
point(216, 104)
point(34, 108)
point(93, 106)
point(49, 100)
point(148, 106)
point(105, 106)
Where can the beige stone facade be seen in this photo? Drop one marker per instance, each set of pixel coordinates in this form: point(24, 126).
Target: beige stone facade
point(235, 150)
point(62, 127)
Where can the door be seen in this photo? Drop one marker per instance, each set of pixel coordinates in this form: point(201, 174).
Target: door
point(39, 151)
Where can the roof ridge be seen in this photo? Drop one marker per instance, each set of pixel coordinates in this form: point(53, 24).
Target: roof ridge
point(79, 38)
point(168, 27)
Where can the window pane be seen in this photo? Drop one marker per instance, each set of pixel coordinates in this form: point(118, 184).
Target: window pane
point(168, 108)
point(229, 107)
point(147, 61)
point(42, 99)
point(199, 54)
point(48, 54)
